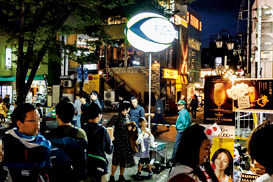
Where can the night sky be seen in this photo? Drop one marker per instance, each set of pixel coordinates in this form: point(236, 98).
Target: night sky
point(217, 15)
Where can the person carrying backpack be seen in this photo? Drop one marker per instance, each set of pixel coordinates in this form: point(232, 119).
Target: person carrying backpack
point(68, 154)
point(99, 144)
point(26, 152)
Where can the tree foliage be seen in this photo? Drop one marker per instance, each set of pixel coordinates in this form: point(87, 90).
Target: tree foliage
point(33, 25)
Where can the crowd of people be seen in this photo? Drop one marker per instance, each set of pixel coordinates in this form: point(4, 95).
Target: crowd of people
point(76, 151)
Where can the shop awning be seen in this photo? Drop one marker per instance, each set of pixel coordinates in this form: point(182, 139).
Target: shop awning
point(13, 78)
point(7, 78)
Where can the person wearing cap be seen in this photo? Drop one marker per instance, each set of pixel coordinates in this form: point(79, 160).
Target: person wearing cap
point(183, 121)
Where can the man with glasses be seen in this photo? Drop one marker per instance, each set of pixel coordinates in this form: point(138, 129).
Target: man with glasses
point(26, 152)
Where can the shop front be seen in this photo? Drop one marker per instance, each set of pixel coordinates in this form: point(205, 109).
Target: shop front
point(175, 88)
point(36, 94)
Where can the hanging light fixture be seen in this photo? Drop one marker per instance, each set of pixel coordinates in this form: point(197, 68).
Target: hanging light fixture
point(230, 45)
point(219, 43)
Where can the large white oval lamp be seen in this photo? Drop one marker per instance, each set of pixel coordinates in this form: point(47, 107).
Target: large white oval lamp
point(150, 32)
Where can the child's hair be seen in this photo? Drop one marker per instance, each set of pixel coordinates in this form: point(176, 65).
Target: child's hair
point(259, 147)
point(140, 120)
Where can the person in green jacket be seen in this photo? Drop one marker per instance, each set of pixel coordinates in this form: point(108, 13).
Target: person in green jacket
point(183, 121)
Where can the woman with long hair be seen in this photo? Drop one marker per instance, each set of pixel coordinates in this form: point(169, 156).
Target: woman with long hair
point(191, 161)
point(223, 163)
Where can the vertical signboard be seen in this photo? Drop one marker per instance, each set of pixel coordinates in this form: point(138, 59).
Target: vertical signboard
point(8, 58)
point(85, 75)
point(79, 74)
point(217, 106)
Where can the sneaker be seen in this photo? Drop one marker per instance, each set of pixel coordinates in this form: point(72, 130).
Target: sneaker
point(112, 179)
point(122, 179)
point(138, 175)
point(169, 164)
point(150, 175)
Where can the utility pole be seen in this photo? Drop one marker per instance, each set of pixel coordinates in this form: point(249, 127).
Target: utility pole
point(259, 41)
point(248, 67)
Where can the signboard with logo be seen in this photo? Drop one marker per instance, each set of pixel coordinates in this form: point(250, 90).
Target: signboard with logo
point(91, 66)
point(218, 61)
point(205, 72)
point(252, 95)
point(93, 84)
point(171, 74)
point(217, 106)
point(150, 32)
point(180, 21)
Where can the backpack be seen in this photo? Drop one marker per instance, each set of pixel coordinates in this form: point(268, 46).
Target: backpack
point(26, 169)
point(68, 158)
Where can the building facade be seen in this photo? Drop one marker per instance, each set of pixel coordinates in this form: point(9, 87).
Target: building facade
point(262, 52)
point(8, 74)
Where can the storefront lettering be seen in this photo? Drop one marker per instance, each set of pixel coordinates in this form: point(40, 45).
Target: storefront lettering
point(225, 133)
point(248, 177)
point(243, 102)
point(270, 88)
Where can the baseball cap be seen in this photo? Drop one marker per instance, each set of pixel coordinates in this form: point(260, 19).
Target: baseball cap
point(181, 102)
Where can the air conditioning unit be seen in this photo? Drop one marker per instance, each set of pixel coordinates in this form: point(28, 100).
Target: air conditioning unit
point(109, 95)
point(67, 83)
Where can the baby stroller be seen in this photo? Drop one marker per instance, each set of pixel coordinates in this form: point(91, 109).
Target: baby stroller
point(158, 156)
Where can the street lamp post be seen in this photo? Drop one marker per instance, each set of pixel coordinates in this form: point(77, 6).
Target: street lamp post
point(220, 41)
point(155, 34)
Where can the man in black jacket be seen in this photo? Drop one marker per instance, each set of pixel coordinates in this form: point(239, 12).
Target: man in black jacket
point(84, 107)
point(94, 98)
point(99, 143)
point(194, 105)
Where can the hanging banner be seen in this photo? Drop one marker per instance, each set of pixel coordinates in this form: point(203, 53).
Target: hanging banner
point(217, 106)
point(79, 74)
point(85, 75)
point(252, 95)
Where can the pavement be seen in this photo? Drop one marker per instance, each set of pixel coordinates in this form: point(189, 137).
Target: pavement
point(162, 134)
